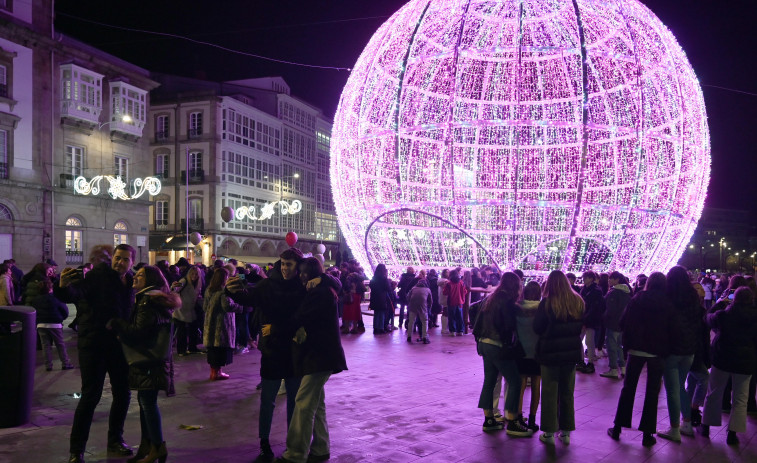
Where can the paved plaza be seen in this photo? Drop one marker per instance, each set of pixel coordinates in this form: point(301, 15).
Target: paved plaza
point(398, 402)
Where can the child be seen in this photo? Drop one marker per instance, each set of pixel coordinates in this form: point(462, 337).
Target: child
point(50, 315)
point(527, 366)
point(351, 315)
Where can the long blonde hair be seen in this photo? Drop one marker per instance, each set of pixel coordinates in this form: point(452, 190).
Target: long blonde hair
point(561, 299)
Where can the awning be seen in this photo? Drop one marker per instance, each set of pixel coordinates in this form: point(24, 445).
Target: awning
point(169, 242)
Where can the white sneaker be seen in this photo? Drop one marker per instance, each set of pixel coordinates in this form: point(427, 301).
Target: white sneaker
point(622, 371)
point(547, 439)
point(613, 373)
point(673, 434)
point(564, 437)
point(686, 429)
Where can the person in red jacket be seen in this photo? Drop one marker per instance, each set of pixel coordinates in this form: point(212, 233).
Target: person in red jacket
point(455, 291)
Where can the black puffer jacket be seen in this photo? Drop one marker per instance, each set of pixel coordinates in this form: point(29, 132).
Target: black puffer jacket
point(100, 296)
point(152, 312)
point(498, 321)
point(734, 348)
point(559, 340)
point(687, 326)
point(594, 306)
point(322, 348)
point(646, 323)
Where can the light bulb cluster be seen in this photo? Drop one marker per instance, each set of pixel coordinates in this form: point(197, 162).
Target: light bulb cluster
point(529, 134)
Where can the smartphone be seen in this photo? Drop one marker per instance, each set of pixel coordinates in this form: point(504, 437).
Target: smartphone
point(242, 276)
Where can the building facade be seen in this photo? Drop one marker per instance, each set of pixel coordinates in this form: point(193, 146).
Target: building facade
point(247, 146)
point(67, 111)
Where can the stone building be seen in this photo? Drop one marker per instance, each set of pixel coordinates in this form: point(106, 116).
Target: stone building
point(67, 110)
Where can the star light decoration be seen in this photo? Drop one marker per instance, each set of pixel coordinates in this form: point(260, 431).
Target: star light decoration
point(117, 187)
point(531, 134)
point(268, 209)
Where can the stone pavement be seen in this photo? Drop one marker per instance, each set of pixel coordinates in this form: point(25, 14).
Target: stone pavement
point(397, 403)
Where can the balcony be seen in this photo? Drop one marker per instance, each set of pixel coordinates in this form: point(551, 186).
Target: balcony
point(195, 176)
point(194, 133)
point(161, 136)
point(161, 175)
point(161, 226)
point(66, 181)
point(74, 257)
point(195, 225)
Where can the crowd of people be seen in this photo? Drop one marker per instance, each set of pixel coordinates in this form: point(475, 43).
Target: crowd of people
point(695, 334)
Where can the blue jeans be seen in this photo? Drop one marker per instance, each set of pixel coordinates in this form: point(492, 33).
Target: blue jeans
point(558, 382)
point(676, 369)
point(149, 416)
point(455, 315)
point(379, 320)
point(614, 349)
point(268, 392)
point(696, 386)
point(309, 431)
point(494, 364)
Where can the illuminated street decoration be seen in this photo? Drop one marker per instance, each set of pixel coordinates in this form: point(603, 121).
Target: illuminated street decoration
point(117, 187)
point(268, 209)
point(532, 134)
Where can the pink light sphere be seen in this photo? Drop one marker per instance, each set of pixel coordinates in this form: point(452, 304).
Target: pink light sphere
point(534, 134)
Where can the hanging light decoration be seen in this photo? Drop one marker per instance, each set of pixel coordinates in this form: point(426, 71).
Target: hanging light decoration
point(532, 134)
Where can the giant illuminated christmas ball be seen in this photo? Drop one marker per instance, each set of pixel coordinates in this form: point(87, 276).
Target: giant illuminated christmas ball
point(532, 134)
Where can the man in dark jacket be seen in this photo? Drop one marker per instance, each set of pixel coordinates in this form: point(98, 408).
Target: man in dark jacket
point(105, 293)
point(317, 356)
point(274, 300)
point(595, 309)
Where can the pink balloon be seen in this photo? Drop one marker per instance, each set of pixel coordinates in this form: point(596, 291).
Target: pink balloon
point(291, 238)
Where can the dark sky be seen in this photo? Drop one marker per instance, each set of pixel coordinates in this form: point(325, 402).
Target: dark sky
point(719, 37)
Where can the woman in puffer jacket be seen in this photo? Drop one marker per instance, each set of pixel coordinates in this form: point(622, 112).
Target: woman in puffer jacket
point(734, 355)
point(154, 306)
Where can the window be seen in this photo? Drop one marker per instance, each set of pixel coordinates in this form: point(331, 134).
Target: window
point(3, 154)
point(121, 168)
point(195, 161)
point(161, 214)
point(195, 209)
point(74, 245)
point(5, 213)
point(120, 237)
point(195, 125)
point(74, 161)
point(128, 100)
point(161, 166)
point(6, 5)
point(3, 81)
point(161, 128)
point(81, 93)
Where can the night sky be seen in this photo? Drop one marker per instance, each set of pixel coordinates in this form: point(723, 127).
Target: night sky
point(719, 37)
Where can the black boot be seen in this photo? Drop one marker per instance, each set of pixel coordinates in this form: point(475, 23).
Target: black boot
point(142, 451)
point(266, 454)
